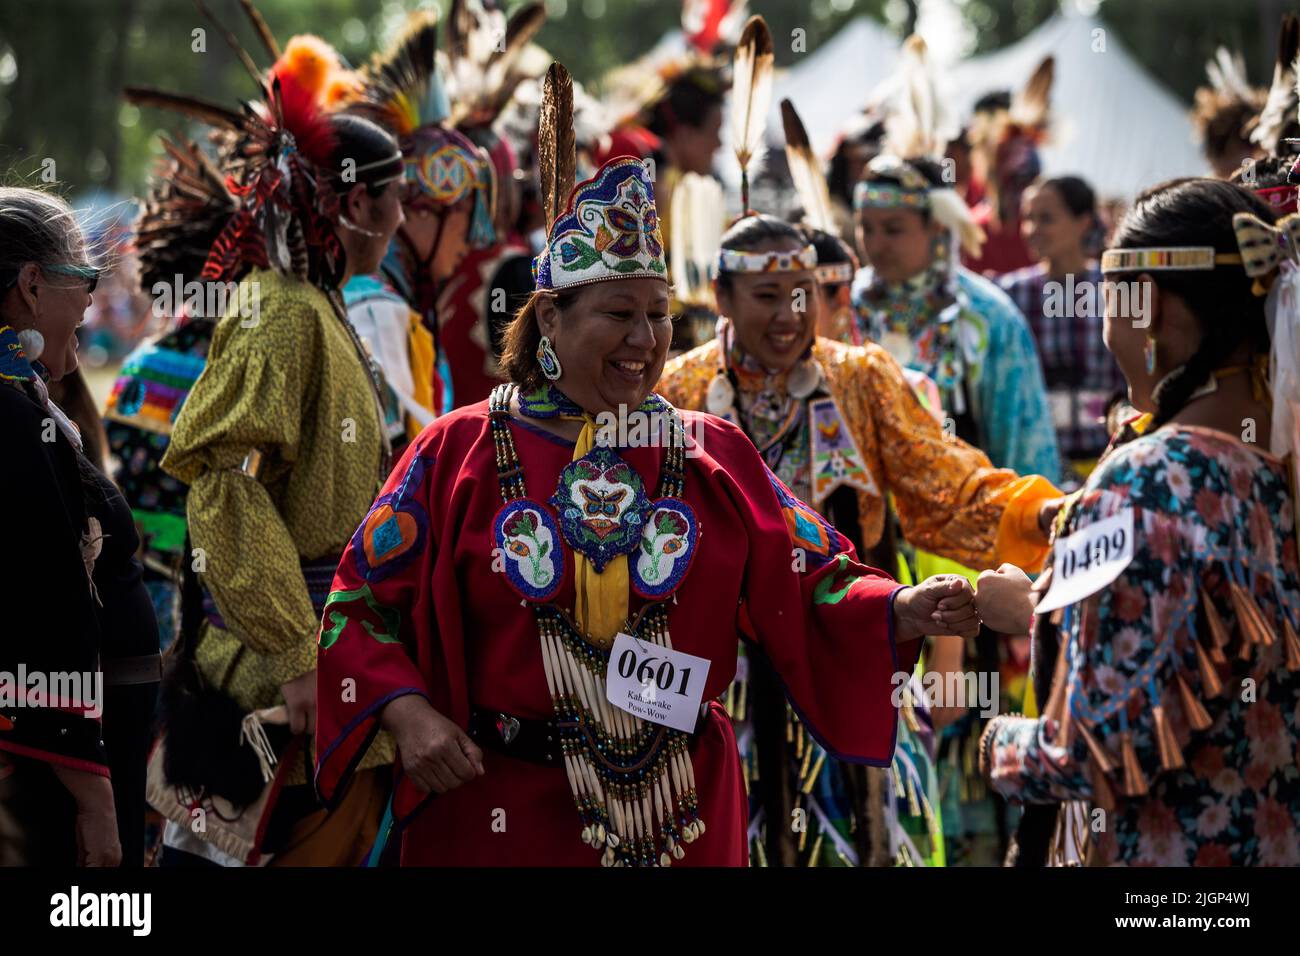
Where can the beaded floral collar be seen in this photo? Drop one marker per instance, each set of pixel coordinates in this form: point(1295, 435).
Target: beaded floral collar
point(549, 402)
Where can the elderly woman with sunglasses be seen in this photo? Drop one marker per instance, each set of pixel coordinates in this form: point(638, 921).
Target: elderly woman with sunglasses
point(81, 618)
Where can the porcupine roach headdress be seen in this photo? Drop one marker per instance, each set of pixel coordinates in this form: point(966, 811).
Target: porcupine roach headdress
point(1277, 119)
point(1226, 110)
point(917, 128)
point(277, 153)
point(1275, 129)
point(402, 91)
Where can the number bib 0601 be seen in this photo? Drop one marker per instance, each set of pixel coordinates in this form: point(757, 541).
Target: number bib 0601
point(656, 683)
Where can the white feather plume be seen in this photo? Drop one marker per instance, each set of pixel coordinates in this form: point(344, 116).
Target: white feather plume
point(697, 225)
point(920, 123)
point(947, 207)
point(1227, 73)
point(751, 95)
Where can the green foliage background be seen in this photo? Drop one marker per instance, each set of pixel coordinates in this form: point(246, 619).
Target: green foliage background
point(62, 62)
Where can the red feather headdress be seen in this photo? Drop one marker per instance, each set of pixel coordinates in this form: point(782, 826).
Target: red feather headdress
point(277, 155)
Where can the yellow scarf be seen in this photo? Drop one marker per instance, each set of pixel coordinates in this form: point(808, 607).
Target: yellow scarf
point(601, 608)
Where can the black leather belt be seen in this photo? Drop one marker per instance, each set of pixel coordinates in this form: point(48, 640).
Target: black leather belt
point(537, 741)
point(120, 671)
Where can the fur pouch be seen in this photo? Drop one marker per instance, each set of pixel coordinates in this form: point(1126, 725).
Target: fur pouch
point(202, 728)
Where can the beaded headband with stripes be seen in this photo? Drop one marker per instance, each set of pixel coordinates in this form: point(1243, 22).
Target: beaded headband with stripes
point(1165, 259)
point(835, 272)
point(735, 260)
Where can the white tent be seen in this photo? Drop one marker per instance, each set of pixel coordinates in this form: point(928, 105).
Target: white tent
point(1113, 124)
point(835, 80)
point(827, 86)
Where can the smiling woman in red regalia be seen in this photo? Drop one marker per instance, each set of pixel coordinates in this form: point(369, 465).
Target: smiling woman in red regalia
point(474, 613)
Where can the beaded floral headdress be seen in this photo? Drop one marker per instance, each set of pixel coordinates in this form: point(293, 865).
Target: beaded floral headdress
point(609, 227)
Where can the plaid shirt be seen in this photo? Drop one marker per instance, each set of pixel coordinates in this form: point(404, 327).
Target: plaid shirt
point(1079, 371)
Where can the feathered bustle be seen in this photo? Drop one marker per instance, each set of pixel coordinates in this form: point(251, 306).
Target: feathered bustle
point(400, 88)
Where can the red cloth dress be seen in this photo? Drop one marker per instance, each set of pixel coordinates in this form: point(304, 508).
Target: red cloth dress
point(421, 607)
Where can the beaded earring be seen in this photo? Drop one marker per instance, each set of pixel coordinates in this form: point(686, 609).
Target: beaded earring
point(1149, 353)
point(548, 360)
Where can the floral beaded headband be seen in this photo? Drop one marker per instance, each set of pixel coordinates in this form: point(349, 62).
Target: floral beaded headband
point(892, 183)
point(734, 261)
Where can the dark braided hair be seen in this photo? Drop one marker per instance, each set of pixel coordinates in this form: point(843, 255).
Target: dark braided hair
point(1198, 212)
point(831, 250)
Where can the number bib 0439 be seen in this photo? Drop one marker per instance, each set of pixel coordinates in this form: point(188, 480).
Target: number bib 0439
point(655, 683)
point(1089, 560)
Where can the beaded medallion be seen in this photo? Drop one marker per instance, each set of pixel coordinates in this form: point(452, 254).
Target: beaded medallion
point(668, 546)
point(602, 505)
